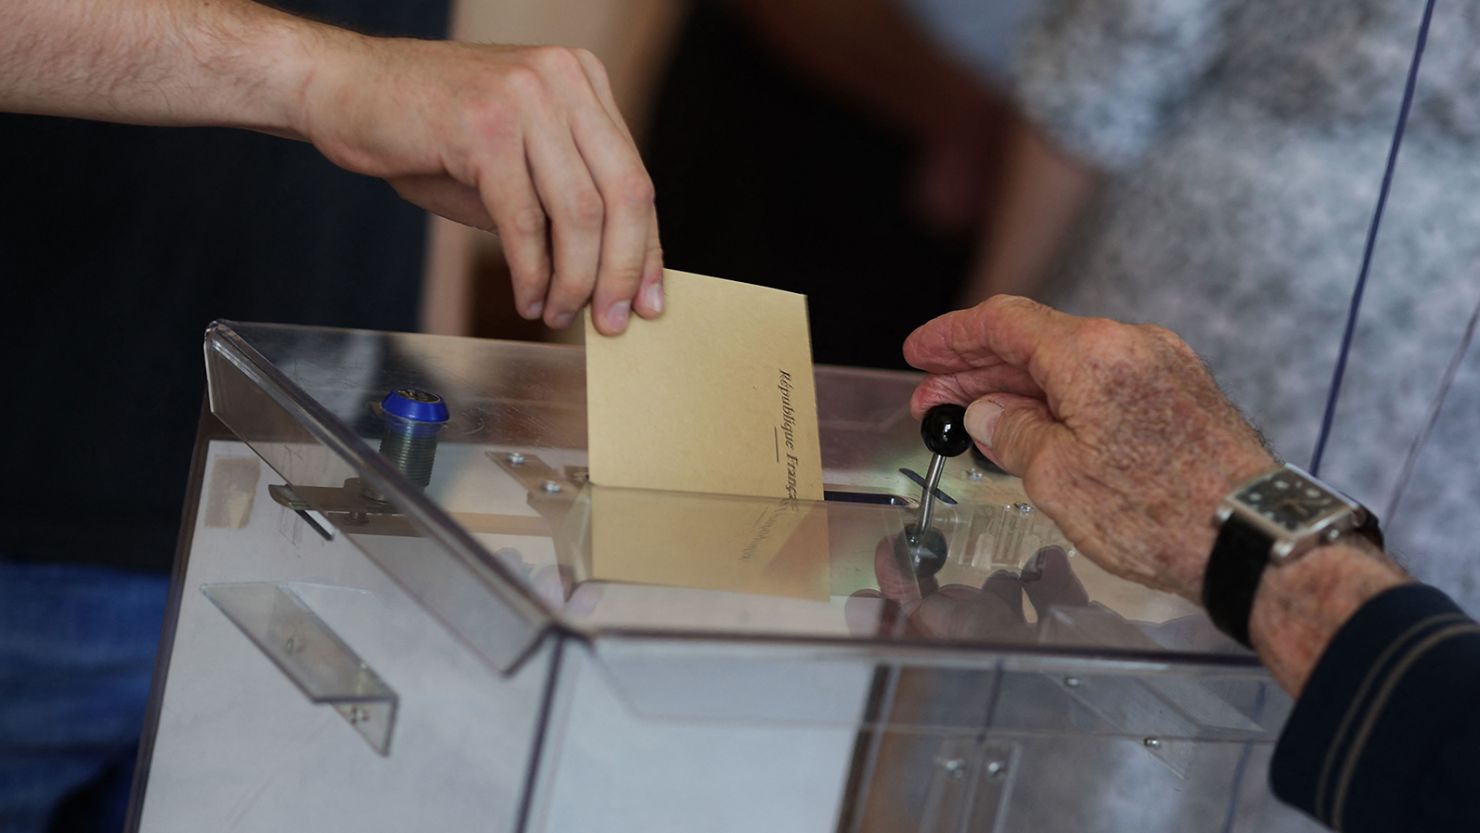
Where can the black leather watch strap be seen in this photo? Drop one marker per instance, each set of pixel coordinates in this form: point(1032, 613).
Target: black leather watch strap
point(1240, 554)
point(1235, 567)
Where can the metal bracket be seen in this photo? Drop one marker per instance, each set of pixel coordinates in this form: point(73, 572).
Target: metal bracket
point(969, 786)
point(326, 508)
point(311, 654)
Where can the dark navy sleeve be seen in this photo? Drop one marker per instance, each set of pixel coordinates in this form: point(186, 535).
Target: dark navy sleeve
point(1386, 735)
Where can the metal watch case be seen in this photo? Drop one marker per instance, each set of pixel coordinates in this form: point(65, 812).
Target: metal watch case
point(1296, 510)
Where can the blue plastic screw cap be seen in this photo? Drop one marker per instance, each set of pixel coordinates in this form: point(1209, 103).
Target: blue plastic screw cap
point(415, 405)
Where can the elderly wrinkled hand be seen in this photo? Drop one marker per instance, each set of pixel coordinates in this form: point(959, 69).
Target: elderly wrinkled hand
point(1118, 430)
point(527, 141)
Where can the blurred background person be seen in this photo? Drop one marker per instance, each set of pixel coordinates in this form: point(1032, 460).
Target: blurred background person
point(845, 149)
point(1212, 166)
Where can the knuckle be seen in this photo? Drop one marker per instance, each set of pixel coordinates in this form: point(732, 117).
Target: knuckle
point(620, 281)
point(586, 209)
point(557, 60)
point(1009, 303)
point(524, 82)
point(590, 62)
point(528, 221)
point(1112, 342)
point(529, 273)
point(568, 292)
point(1170, 341)
point(526, 285)
point(635, 190)
point(528, 276)
point(493, 120)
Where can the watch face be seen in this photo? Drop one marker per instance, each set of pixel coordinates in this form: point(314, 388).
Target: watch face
point(1290, 501)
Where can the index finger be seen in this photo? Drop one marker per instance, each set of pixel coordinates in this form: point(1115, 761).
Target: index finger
point(971, 385)
point(649, 301)
point(1003, 329)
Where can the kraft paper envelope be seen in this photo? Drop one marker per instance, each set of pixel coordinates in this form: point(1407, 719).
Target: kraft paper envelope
point(716, 397)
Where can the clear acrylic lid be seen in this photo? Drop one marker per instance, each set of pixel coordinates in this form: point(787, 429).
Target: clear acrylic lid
point(508, 539)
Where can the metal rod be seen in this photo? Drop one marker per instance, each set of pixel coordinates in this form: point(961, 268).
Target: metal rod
point(927, 498)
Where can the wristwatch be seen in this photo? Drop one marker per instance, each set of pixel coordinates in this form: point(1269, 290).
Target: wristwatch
point(1274, 518)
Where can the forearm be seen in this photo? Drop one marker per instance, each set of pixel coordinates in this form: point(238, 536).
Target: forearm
point(161, 62)
point(1301, 605)
point(1044, 193)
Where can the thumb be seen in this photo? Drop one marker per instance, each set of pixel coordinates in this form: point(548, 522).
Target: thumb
point(1011, 429)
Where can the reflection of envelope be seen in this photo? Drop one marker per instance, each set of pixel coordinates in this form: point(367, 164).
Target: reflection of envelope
point(770, 546)
point(715, 396)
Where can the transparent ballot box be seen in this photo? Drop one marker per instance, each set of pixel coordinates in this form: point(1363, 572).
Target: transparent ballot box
point(383, 622)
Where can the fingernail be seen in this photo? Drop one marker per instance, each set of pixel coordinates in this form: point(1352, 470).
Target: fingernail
point(617, 315)
point(534, 310)
point(981, 420)
point(561, 320)
point(652, 297)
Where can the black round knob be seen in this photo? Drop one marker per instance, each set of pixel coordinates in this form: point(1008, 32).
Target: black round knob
point(944, 430)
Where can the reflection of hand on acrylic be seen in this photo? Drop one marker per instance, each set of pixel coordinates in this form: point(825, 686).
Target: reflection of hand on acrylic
point(906, 606)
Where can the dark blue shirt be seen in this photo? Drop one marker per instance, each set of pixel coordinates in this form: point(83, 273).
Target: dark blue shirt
point(1386, 735)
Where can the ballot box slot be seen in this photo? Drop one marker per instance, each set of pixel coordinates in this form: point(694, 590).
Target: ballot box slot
point(839, 495)
point(919, 480)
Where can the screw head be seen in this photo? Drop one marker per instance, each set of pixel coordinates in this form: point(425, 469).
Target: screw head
point(358, 715)
point(955, 768)
point(973, 474)
point(1023, 508)
point(996, 769)
point(1073, 682)
point(1152, 743)
point(514, 458)
point(415, 405)
point(550, 487)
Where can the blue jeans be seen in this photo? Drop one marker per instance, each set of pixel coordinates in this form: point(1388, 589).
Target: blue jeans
point(77, 646)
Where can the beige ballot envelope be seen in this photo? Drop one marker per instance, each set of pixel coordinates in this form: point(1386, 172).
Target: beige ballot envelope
point(715, 397)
